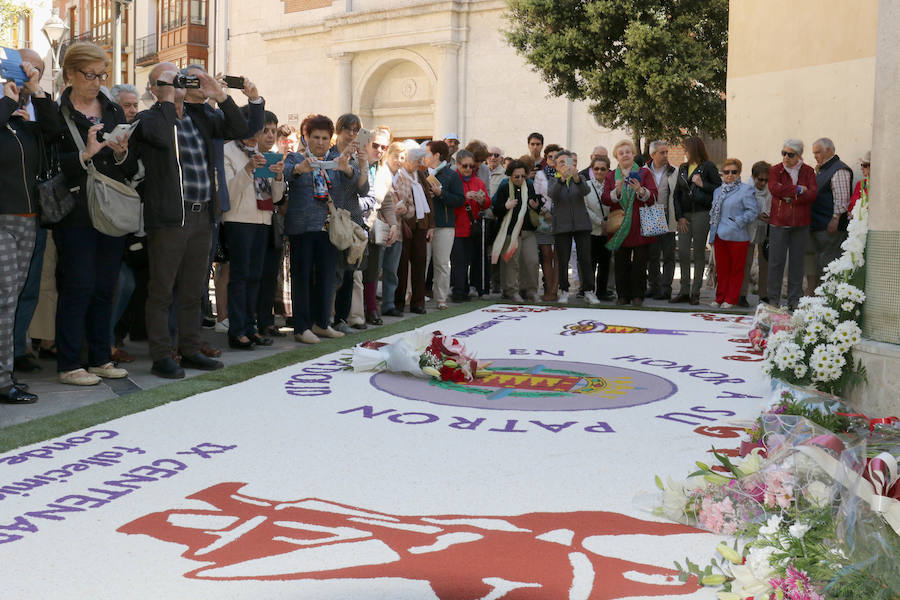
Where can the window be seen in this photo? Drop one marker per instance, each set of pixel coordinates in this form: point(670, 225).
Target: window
point(198, 12)
point(101, 22)
point(173, 14)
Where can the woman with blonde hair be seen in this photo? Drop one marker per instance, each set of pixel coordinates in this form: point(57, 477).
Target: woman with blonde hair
point(628, 188)
point(89, 261)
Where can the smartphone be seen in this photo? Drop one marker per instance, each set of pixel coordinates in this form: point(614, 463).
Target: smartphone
point(364, 137)
point(271, 159)
point(234, 82)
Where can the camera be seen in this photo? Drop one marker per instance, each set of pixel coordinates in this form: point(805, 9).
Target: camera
point(190, 82)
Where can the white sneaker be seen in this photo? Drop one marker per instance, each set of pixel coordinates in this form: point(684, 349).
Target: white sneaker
point(591, 297)
point(307, 337)
point(715, 304)
point(222, 326)
point(78, 377)
point(563, 296)
point(516, 299)
point(109, 371)
point(727, 305)
point(328, 332)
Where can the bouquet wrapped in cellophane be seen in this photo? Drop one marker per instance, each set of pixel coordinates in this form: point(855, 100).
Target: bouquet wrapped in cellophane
point(420, 353)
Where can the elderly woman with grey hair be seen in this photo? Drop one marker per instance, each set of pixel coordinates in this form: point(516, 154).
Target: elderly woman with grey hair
point(793, 187)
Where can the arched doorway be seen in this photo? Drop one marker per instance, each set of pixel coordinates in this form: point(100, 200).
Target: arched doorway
point(398, 92)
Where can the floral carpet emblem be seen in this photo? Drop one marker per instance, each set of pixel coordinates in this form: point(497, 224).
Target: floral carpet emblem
point(589, 326)
point(533, 556)
point(533, 384)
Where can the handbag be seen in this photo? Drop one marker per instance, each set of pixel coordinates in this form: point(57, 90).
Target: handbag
point(653, 220)
point(114, 207)
point(614, 220)
point(55, 199)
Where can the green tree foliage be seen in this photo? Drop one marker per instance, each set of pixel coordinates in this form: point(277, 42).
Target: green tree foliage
point(654, 67)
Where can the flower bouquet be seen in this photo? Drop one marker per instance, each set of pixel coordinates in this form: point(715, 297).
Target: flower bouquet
point(421, 354)
point(825, 326)
point(766, 321)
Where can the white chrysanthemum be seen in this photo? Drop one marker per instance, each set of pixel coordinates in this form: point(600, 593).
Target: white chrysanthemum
point(830, 315)
point(818, 494)
point(772, 525)
point(817, 327)
point(847, 306)
point(800, 370)
point(808, 338)
point(798, 529)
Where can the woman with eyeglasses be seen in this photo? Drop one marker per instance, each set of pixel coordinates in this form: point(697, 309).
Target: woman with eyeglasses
point(477, 200)
point(733, 209)
point(863, 184)
point(598, 213)
point(793, 186)
point(89, 261)
point(517, 205)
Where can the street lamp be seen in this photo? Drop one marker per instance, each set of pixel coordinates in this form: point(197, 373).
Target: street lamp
point(55, 29)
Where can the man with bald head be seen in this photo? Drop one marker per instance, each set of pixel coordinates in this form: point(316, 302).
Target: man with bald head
point(597, 152)
point(175, 141)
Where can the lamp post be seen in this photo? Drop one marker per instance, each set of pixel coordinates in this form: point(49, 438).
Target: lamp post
point(55, 29)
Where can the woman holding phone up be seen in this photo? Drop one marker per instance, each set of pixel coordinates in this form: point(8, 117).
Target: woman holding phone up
point(628, 188)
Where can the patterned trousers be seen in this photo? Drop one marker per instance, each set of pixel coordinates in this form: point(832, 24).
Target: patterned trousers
point(17, 235)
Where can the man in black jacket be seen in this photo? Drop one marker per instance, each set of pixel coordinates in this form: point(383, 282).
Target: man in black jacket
point(175, 141)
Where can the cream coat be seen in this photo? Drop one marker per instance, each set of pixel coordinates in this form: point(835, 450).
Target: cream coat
point(242, 192)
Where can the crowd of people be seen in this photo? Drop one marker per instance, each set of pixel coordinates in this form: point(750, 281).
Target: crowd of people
point(226, 190)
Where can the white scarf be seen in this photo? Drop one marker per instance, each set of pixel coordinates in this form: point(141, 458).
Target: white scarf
point(418, 194)
point(438, 168)
point(497, 248)
point(794, 171)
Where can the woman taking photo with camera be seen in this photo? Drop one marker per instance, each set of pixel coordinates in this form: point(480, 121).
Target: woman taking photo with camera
point(628, 188)
point(89, 260)
point(21, 158)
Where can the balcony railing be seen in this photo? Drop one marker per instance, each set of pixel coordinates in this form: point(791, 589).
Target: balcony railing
point(145, 50)
point(84, 37)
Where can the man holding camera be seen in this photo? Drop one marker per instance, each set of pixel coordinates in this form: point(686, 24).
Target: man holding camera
point(175, 141)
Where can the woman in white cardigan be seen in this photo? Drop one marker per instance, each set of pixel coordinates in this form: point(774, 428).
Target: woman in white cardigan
point(246, 225)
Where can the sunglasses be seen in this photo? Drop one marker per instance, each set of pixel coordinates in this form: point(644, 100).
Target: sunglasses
point(381, 147)
point(864, 165)
point(466, 166)
point(494, 154)
point(93, 76)
point(730, 172)
point(788, 154)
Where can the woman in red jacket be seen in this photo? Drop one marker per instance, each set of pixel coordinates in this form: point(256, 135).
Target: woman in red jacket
point(477, 199)
point(793, 187)
point(628, 188)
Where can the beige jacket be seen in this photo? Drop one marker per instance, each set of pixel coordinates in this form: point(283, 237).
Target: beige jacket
point(242, 192)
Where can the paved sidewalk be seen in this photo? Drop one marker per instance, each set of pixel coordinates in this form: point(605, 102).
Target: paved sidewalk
point(56, 397)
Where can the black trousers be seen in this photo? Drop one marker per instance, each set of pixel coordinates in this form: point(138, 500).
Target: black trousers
point(600, 258)
point(631, 271)
point(460, 257)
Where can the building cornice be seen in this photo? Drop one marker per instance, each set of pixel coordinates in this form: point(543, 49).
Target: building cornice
point(336, 23)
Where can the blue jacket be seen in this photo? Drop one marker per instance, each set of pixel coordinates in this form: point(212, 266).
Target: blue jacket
point(306, 214)
point(739, 209)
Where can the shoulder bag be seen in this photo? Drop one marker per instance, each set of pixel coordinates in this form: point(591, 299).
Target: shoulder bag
point(55, 199)
point(114, 207)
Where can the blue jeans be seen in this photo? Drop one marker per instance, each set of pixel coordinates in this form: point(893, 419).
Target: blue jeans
point(28, 298)
point(89, 264)
point(247, 252)
point(122, 297)
point(389, 260)
point(313, 264)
